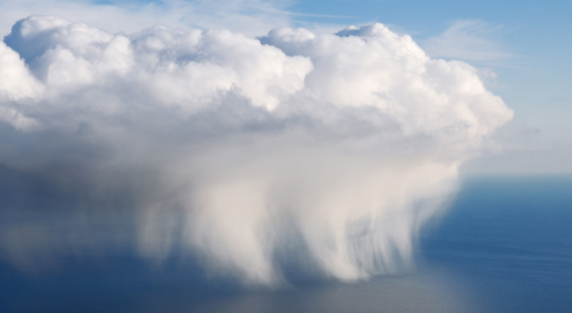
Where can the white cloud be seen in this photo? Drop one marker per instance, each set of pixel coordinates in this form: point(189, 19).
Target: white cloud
point(343, 143)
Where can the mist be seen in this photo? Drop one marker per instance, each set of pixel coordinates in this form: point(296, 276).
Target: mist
point(327, 150)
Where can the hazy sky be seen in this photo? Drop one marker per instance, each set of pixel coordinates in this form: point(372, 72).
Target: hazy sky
point(522, 49)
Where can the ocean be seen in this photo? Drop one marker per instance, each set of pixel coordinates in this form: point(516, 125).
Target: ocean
point(504, 245)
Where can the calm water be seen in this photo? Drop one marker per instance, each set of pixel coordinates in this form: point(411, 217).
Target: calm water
point(504, 246)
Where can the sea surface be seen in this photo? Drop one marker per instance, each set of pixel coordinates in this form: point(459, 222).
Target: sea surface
point(504, 245)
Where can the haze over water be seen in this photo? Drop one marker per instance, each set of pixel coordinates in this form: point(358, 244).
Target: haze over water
point(503, 246)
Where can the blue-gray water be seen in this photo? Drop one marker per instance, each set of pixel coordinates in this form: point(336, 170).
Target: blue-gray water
point(505, 245)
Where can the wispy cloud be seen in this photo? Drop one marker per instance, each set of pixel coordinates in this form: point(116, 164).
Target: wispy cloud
point(471, 40)
point(251, 17)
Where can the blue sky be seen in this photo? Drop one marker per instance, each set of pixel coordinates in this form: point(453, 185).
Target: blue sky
point(521, 47)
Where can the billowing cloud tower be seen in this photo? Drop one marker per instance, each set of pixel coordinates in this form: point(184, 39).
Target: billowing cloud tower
point(239, 150)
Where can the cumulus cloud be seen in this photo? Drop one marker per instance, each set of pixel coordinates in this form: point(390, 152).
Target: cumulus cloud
point(243, 150)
